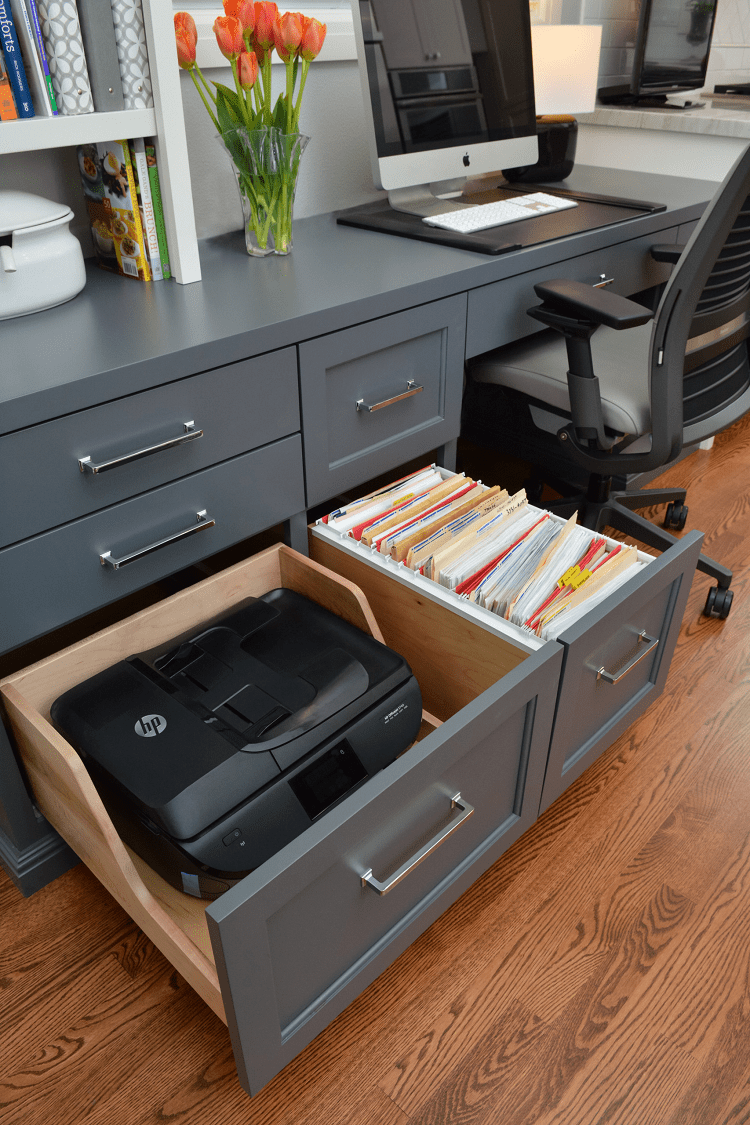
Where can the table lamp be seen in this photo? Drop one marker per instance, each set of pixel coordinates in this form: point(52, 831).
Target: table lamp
point(566, 70)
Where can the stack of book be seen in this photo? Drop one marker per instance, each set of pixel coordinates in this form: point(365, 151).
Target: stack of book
point(123, 200)
point(72, 56)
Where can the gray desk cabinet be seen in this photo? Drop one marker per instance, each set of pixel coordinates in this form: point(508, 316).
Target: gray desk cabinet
point(360, 311)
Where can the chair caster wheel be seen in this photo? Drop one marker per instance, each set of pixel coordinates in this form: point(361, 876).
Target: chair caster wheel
point(718, 603)
point(676, 515)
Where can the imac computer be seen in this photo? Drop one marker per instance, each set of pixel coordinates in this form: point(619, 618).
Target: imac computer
point(448, 94)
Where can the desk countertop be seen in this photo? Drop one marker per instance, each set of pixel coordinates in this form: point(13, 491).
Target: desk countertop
point(721, 116)
point(118, 337)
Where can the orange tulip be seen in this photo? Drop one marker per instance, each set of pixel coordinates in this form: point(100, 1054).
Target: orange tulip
point(184, 24)
point(313, 37)
point(287, 34)
point(185, 50)
point(265, 14)
point(228, 32)
point(242, 10)
point(247, 68)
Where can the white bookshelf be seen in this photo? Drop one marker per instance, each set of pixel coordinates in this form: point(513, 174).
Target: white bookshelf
point(165, 122)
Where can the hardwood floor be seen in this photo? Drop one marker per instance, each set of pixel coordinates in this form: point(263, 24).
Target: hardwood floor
point(598, 974)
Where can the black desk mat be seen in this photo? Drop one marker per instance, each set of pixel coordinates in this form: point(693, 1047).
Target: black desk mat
point(592, 211)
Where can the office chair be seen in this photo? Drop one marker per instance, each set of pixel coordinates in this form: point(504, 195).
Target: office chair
point(605, 391)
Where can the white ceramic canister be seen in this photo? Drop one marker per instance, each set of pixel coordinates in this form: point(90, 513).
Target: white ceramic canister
point(41, 262)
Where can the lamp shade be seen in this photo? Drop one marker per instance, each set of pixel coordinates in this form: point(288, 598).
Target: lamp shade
point(566, 67)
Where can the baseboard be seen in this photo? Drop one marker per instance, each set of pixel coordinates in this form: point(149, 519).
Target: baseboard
point(35, 866)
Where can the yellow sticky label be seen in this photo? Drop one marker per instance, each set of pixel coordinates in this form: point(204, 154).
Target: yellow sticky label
point(574, 577)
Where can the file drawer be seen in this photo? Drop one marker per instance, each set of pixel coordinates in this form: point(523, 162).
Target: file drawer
point(497, 312)
point(284, 951)
point(615, 658)
point(63, 569)
point(174, 430)
point(381, 393)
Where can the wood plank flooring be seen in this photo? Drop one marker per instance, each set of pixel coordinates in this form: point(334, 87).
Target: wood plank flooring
point(598, 974)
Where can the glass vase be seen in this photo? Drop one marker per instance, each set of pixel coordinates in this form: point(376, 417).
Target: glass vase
point(265, 163)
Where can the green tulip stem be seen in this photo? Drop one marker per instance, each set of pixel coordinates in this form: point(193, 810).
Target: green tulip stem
point(203, 99)
point(295, 118)
point(289, 94)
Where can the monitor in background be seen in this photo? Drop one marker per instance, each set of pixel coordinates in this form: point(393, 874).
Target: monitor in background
point(670, 55)
point(448, 91)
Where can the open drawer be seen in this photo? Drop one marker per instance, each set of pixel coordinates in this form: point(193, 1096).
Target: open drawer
point(615, 658)
point(285, 950)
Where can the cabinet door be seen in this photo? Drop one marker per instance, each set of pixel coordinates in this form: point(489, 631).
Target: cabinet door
point(379, 394)
point(611, 671)
point(301, 937)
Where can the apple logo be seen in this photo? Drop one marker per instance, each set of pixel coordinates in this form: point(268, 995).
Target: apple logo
point(466, 160)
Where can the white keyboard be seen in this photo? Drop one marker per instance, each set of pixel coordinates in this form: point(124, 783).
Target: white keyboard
point(470, 219)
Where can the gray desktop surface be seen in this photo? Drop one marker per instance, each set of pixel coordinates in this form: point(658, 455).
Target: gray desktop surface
point(118, 337)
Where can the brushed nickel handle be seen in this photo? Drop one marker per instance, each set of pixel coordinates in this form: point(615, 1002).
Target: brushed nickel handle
point(369, 880)
point(412, 388)
point(643, 637)
point(107, 558)
point(86, 465)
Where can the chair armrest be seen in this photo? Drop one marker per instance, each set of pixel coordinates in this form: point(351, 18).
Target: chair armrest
point(600, 306)
point(667, 252)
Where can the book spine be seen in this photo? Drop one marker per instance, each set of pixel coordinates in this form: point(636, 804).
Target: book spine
point(130, 35)
point(138, 152)
point(16, 74)
point(161, 229)
point(98, 31)
point(7, 105)
point(66, 57)
point(135, 209)
point(32, 65)
point(31, 5)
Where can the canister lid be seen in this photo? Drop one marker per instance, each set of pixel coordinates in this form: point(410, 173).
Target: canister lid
point(20, 210)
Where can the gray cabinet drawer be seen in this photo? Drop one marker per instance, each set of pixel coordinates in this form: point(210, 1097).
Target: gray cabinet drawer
point(592, 711)
point(302, 936)
point(374, 364)
point(237, 407)
point(497, 312)
point(58, 576)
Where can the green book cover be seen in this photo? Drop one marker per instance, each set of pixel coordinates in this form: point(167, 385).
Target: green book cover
point(161, 231)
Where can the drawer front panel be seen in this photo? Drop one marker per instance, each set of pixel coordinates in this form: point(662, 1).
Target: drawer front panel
point(407, 368)
point(592, 711)
point(497, 312)
point(58, 576)
point(238, 407)
point(298, 939)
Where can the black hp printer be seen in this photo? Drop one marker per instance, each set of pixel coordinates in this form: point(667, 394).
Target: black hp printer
point(216, 750)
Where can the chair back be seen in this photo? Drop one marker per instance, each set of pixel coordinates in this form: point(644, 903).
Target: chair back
point(700, 374)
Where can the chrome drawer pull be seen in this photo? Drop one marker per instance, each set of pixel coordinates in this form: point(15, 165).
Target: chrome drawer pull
point(369, 880)
point(412, 388)
point(203, 522)
point(86, 465)
point(611, 678)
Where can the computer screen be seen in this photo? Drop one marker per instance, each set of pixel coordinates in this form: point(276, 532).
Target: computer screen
point(670, 53)
point(449, 92)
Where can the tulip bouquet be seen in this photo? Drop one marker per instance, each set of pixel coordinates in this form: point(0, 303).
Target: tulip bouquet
point(263, 141)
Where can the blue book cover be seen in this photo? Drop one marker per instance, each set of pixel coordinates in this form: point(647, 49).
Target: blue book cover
point(16, 73)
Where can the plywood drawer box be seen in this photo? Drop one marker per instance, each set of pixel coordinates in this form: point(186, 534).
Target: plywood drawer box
point(615, 658)
point(143, 440)
point(285, 950)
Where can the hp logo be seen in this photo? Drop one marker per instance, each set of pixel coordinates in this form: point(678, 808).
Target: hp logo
point(150, 725)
